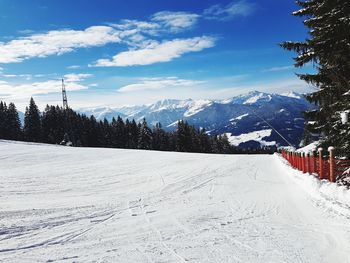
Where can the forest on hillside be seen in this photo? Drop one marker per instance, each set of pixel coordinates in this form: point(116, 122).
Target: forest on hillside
point(56, 125)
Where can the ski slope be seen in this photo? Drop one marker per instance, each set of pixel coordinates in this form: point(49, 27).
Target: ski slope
point(61, 204)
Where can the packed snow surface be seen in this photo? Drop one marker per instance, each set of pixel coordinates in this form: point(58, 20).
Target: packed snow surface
point(62, 204)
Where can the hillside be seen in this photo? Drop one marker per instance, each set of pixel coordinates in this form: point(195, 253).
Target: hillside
point(61, 204)
point(245, 116)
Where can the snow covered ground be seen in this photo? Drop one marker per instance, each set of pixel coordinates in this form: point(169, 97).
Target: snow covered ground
point(257, 136)
point(108, 205)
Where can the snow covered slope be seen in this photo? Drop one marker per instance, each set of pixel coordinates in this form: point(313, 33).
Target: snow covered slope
point(240, 115)
point(60, 204)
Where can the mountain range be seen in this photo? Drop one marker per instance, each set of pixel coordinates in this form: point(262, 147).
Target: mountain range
point(250, 120)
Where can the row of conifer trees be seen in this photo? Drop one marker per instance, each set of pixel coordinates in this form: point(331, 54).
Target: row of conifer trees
point(58, 126)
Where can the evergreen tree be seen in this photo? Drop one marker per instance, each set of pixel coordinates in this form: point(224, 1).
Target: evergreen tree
point(92, 132)
point(107, 133)
point(119, 139)
point(157, 137)
point(328, 48)
point(204, 141)
point(183, 140)
point(53, 124)
point(145, 136)
point(32, 123)
point(225, 146)
point(194, 139)
point(3, 120)
point(13, 123)
point(134, 134)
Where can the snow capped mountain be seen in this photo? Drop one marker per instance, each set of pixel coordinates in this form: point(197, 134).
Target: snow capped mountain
point(251, 120)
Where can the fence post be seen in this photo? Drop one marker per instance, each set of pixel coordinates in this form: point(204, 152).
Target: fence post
point(314, 161)
point(308, 170)
point(303, 162)
point(297, 160)
point(320, 163)
point(331, 164)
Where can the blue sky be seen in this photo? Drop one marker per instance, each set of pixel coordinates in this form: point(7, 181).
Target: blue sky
point(113, 53)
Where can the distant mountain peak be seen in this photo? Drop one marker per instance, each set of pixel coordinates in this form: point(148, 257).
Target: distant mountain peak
point(239, 115)
point(292, 94)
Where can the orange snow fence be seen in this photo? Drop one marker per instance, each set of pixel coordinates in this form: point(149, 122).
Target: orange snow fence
point(329, 168)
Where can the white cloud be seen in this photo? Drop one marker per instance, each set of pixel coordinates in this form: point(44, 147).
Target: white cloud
point(158, 52)
point(56, 42)
point(26, 90)
point(25, 76)
point(158, 84)
point(73, 67)
point(230, 11)
point(274, 69)
point(138, 26)
point(76, 77)
point(26, 31)
point(137, 35)
point(175, 21)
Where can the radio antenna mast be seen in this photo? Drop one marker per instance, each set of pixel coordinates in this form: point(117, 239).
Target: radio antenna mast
point(67, 127)
point(64, 96)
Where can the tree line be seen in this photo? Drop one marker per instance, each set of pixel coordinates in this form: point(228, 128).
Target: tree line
point(56, 125)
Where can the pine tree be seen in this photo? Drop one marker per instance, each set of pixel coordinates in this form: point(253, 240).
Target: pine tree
point(158, 138)
point(13, 123)
point(134, 134)
point(145, 136)
point(53, 124)
point(119, 138)
point(92, 132)
point(183, 137)
point(204, 141)
point(224, 144)
point(328, 48)
point(107, 133)
point(3, 120)
point(32, 123)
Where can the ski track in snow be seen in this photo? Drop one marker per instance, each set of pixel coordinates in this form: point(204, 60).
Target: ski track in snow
point(60, 204)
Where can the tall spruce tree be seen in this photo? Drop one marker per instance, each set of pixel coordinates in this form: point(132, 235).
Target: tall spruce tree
point(32, 123)
point(13, 123)
point(328, 48)
point(145, 136)
point(204, 140)
point(3, 120)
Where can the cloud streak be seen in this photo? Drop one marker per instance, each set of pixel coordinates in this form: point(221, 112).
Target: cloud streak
point(175, 21)
point(73, 82)
point(158, 52)
point(149, 84)
point(230, 11)
point(274, 69)
point(56, 42)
